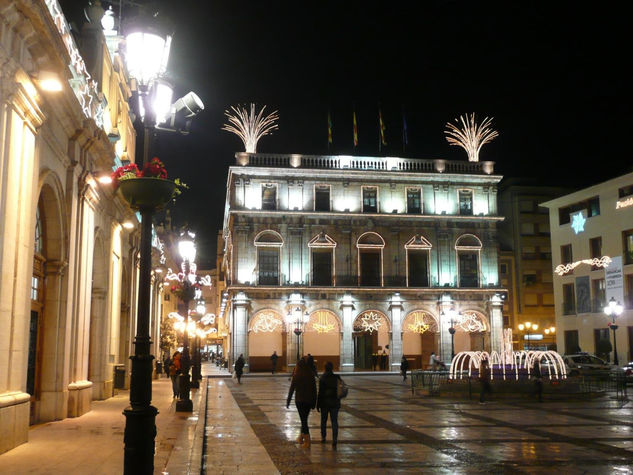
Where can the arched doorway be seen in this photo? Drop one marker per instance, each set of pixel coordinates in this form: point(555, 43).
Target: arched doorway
point(475, 332)
point(419, 338)
point(371, 340)
point(266, 333)
point(322, 338)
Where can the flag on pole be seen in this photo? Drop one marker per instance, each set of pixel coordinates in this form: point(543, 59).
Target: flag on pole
point(405, 132)
point(355, 131)
point(329, 129)
point(383, 141)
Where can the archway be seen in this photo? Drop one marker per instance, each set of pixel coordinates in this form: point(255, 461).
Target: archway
point(419, 338)
point(371, 340)
point(266, 333)
point(322, 338)
point(472, 331)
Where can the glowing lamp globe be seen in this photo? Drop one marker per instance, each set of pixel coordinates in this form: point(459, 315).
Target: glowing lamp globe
point(146, 54)
point(187, 247)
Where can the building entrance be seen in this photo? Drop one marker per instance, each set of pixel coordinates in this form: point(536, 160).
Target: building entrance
point(365, 344)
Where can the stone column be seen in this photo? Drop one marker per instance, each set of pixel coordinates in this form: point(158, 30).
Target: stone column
point(395, 306)
point(496, 323)
point(241, 305)
point(347, 345)
point(445, 305)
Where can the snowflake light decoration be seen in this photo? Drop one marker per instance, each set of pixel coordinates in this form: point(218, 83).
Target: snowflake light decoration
point(266, 323)
point(578, 223)
point(470, 322)
point(370, 322)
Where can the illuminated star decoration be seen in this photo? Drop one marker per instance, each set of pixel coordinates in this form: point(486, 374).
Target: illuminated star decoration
point(578, 223)
point(418, 325)
point(370, 322)
point(250, 127)
point(471, 136)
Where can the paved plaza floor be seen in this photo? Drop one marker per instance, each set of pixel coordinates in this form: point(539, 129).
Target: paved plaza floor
point(384, 429)
point(246, 428)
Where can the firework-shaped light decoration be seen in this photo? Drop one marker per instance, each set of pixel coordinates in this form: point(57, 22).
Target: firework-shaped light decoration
point(471, 136)
point(249, 126)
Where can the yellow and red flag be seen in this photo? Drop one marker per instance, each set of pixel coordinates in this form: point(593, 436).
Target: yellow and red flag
point(355, 131)
point(329, 129)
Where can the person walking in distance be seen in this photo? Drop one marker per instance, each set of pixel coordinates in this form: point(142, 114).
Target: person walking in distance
point(174, 372)
point(239, 368)
point(484, 378)
point(328, 402)
point(273, 359)
point(404, 366)
point(303, 386)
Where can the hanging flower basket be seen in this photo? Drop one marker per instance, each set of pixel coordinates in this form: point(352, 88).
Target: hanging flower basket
point(147, 193)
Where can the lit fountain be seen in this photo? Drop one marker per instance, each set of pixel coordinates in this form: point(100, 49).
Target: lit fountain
point(509, 361)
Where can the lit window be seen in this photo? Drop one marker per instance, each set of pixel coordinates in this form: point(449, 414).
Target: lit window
point(466, 202)
point(370, 199)
point(414, 201)
point(269, 197)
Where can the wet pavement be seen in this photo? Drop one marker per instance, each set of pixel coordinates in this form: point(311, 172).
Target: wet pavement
point(383, 428)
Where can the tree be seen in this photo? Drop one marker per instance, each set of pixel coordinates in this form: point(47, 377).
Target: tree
point(168, 338)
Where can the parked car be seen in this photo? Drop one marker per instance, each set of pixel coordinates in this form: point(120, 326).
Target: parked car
point(584, 363)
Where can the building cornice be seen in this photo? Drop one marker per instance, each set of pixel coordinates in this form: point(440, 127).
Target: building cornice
point(343, 214)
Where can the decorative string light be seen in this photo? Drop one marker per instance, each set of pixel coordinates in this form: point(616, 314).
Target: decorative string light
point(266, 323)
point(603, 261)
point(471, 136)
point(323, 324)
point(250, 127)
point(370, 321)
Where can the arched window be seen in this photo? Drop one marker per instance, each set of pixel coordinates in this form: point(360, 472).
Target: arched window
point(370, 248)
point(468, 248)
point(418, 250)
point(268, 244)
point(322, 260)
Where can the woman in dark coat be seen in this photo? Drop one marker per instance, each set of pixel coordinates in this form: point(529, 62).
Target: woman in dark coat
point(239, 368)
point(404, 366)
point(328, 402)
point(303, 386)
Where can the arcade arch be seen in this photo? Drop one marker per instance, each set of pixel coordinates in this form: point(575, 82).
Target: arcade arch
point(266, 333)
point(372, 335)
point(322, 338)
point(420, 338)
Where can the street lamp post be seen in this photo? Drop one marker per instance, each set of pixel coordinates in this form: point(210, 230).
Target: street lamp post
point(528, 326)
point(187, 250)
point(451, 330)
point(146, 58)
point(298, 321)
point(614, 310)
point(196, 371)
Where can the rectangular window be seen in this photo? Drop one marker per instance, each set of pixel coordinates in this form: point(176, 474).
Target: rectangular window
point(548, 300)
point(543, 228)
point(598, 293)
point(468, 269)
point(565, 254)
point(34, 288)
point(595, 250)
point(503, 269)
point(528, 252)
point(269, 197)
point(370, 268)
point(321, 198)
point(629, 291)
point(601, 334)
point(529, 277)
point(593, 208)
point(322, 267)
point(564, 215)
point(625, 191)
point(418, 268)
point(569, 299)
point(466, 202)
point(571, 342)
point(627, 246)
point(370, 199)
point(527, 229)
point(268, 263)
point(414, 201)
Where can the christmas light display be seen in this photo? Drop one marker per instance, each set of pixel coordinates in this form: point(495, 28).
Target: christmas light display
point(250, 126)
point(471, 136)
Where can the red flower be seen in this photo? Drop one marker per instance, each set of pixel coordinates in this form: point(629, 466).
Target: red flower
point(125, 172)
point(155, 168)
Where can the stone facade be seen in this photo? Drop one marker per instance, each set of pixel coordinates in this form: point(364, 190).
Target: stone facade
point(379, 251)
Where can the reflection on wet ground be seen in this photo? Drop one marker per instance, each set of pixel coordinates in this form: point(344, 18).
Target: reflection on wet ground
point(382, 427)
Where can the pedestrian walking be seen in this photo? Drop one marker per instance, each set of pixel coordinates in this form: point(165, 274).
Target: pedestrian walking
point(174, 373)
point(537, 376)
point(484, 378)
point(383, 360)
point(435, 362)
point(404, 366)
point(374, 360)
point(328, 402)
point(239, 368)
point(312, 365)
point(273, 358)
point(303, 386)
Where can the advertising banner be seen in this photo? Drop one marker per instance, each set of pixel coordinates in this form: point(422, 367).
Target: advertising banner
point(614, 281)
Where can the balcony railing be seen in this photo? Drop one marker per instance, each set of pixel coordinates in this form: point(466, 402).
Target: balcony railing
point(348, 162)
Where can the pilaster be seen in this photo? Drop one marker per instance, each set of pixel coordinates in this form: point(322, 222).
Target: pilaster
point(241, 306)
point(347, 343)
point(395, 307)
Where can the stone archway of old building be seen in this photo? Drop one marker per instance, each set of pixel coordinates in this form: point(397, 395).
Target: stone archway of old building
point(371, 335)
point(322, 338)
point(266, 333)
point(46, 349)
point(99, 334)
point(419, 338)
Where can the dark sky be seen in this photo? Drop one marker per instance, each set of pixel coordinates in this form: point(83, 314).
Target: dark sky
point(554, 75)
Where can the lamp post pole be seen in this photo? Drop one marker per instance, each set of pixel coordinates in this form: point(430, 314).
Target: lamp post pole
point(187, 250)
point(614, 309)
point(451, 330)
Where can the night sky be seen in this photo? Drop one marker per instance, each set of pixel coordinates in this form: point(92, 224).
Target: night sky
point(553, 75)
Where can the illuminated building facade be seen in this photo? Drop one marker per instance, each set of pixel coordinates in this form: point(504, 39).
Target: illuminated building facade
point(588, 229)
point(68, 265)
point(525, 261)
point(374, 253)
